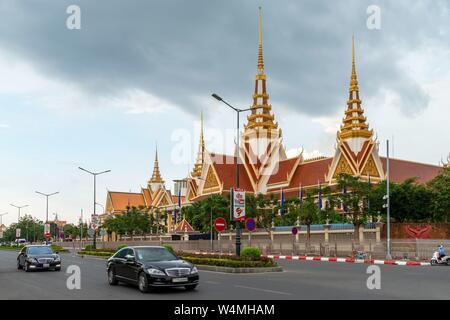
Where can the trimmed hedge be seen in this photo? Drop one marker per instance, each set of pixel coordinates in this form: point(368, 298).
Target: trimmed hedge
point(58, 248)
point(96, 253)
point(224, 262)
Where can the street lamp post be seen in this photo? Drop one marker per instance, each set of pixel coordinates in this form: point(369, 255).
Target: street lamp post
point(388, 204)
point(95, 174)
point(47, 195)
point(19, 207)
point(238, 111)
point(1, 218)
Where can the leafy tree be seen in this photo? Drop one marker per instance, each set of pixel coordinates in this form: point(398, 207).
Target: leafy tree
point(440, 191)
point(308, 214)
point(354, 200)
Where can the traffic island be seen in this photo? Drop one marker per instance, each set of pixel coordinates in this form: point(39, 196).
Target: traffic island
point(252, 263)
point(238, 270)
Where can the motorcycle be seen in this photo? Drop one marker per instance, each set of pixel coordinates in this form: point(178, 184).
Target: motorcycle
point(436, 261)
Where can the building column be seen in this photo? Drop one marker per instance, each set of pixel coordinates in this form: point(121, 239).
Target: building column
point(361, 233)
point(378, 232)
point(326, 230)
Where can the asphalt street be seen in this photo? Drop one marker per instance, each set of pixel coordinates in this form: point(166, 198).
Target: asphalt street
point(300, 280)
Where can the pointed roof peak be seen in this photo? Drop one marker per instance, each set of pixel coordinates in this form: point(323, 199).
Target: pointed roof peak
point(260, 48)
point(354, 124)
point(156, 176)
point(197, 171)
point(353, 78)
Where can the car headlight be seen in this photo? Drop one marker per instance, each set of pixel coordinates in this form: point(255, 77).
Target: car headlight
point(155, 272)
point(32, 260)
point(194, 270)
point(57, 259)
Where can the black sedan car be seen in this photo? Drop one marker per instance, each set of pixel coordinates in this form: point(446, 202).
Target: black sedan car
point(34, 257)
point(150, 267)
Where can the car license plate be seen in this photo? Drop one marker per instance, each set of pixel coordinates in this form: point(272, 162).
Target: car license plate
point(46, 265)
point(179, 279)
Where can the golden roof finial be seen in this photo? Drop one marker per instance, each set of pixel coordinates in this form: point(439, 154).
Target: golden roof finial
point(261, 116)
point(353, 79)
point(197, 171)
point(156, 176)
point(260, 49)
point(354, 123)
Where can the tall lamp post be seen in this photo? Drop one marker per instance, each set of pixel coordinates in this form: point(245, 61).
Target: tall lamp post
point(1, 217)
point(388, 204)
point(95, 174)
point(1, 222)
point(47, 195)
point(19, 207)
point(238, 111)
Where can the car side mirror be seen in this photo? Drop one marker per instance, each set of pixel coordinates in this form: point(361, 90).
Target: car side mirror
point(57, 252)
point(129, 258)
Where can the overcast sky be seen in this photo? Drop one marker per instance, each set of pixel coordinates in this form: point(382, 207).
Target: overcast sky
point(138, 73)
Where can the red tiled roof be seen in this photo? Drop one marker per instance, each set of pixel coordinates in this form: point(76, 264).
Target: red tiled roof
point(282, 171)
point(225, 167)
point(400, 170)
point(147, 196)
point(310, 173)
point(121, 200)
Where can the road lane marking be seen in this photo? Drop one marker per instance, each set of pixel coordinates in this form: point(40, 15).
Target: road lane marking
point(212, 282)
point(264, 290)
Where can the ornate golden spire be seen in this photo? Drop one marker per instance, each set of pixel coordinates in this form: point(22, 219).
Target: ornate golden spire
point(156, 176)
point(354, 122)
point(197, 172)
point(261, 116)
point(260, 49)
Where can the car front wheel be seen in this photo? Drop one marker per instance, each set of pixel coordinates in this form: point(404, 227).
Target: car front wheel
point(143, 283)
point(18, 265)
point(112, 280)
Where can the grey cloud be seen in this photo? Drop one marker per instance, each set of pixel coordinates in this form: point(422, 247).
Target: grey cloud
point(182, 50)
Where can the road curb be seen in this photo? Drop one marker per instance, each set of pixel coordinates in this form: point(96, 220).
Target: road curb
point(349, 260)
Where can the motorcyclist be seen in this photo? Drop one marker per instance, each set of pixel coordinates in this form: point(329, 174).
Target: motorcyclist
point(441, 251)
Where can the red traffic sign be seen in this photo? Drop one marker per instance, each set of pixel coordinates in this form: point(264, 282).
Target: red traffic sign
point(47, 235)
point(294, 231)
point(250, 224)
point(220, 224)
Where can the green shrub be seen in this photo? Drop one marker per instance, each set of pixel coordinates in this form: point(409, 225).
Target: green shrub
point(231, 263)
point(121, 246)
point(251, 253)
point(57, 248)
point(169, 248)
point(88, 247)
point(96, 253)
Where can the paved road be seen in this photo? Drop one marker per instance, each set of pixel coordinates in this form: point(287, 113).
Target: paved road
point(300, 280)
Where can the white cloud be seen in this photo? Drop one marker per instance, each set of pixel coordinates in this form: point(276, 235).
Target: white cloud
point(4, 126)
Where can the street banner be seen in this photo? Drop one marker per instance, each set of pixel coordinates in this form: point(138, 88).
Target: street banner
point(238, 204)
point(17, 233)
point(46, 228)
point(1, 234)
point(94, 220)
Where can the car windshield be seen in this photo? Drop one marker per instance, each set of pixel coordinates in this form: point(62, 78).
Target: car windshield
point(154, 254)
point(40, 250)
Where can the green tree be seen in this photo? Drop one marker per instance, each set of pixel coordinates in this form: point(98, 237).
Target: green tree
point(354, 200)
point(440, 190)
point(308, 214)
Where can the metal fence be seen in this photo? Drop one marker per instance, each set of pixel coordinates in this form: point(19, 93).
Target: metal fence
point(400, 249)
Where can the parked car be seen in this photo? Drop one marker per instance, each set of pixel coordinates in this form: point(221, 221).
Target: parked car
point(34, 257)
point(151, 267)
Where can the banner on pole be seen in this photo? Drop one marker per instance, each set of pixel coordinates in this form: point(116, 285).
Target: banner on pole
point(238, 204)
